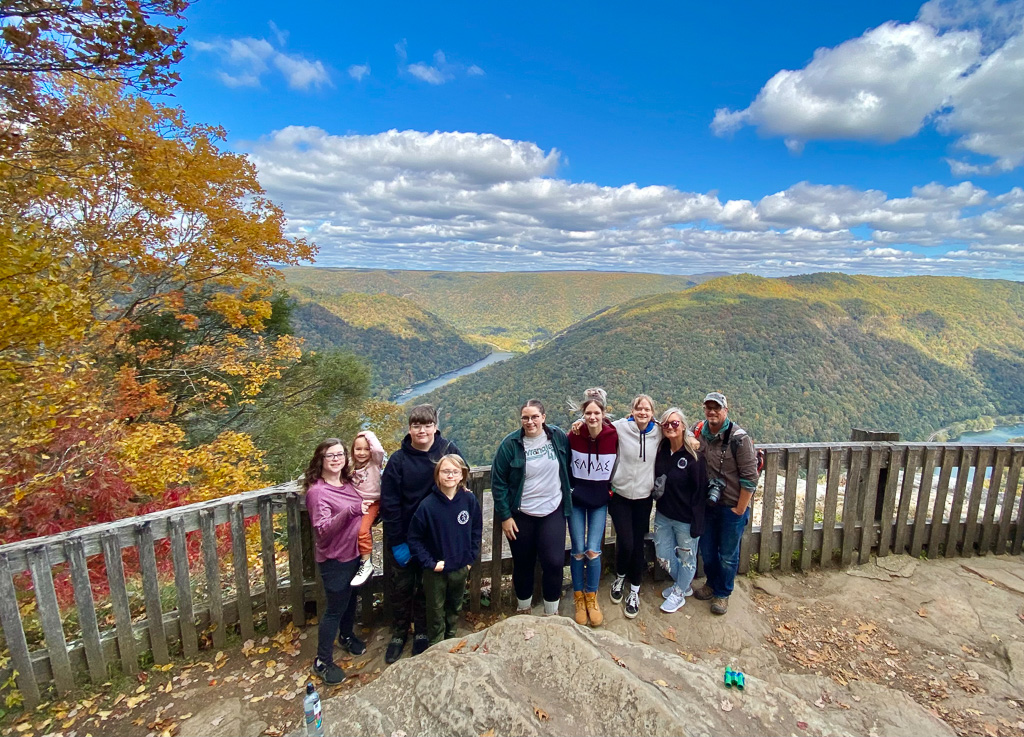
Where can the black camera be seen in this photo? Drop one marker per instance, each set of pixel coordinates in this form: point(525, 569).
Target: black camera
point(715, 489)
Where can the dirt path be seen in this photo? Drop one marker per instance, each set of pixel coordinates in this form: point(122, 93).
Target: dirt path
point(948, 633)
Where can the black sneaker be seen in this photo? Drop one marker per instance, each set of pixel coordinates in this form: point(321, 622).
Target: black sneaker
point(419, 644)
point(616, 590)
point(632, 604)
point(352, 644)
point(394, 651)
point(329, 673)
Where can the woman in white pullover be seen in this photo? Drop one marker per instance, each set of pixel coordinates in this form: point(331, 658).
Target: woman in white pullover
point(631, 502)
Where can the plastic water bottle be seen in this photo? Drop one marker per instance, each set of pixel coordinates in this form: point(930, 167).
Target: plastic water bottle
point(314, 715)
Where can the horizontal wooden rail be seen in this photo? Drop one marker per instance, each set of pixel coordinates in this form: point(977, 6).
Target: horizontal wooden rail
point(819, 505)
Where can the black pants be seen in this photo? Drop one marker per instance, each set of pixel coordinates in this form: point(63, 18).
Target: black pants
point(341, 605)
point(632, 520)
point(407, 600)
point(539, 538)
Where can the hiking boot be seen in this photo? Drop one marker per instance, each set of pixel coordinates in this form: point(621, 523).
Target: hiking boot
point(329, 673)
point(419, 644)
point(704, 593)
point(616, 591)
point(581, 607)
point(394, 651)
point(719, 605)
point(593, 609)
point(675, 601)
point(668, 592)
point(352, 645)
point(363, 573)
point(632, 604)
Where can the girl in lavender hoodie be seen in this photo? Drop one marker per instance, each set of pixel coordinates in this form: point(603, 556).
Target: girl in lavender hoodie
point(335, 511)
point(367, 462)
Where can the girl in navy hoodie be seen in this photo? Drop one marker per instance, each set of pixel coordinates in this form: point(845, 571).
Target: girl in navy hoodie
point(593, 460)
point(444, 537)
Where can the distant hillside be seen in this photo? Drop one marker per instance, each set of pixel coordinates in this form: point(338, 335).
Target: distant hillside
point(402, 342)
point(511, 311)
point(802, 358)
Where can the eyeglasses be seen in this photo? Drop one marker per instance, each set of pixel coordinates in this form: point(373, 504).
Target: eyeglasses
point(674, 424)
point(530, 418)
point(334, 456)
point(451, 472)
point(417, 426)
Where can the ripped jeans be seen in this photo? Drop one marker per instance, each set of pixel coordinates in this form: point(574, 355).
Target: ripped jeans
point(586, 532)
point(675, 549)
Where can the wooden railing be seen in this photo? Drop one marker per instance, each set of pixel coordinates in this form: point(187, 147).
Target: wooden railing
point(924, 499)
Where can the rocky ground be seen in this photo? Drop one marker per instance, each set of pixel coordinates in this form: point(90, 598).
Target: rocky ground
point(898, 646)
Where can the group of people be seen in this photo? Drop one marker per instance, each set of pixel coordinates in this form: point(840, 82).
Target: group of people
point(698, 481)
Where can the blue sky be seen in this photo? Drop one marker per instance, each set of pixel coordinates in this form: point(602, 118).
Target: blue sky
point(883, 138)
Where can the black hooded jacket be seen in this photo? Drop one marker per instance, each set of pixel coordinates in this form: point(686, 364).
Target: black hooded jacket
point(407, 479)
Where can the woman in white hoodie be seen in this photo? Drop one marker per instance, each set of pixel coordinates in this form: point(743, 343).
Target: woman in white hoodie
point(631, 502)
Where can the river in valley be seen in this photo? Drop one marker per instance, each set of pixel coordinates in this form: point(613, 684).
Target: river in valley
point(418, 390)
point(998, 434)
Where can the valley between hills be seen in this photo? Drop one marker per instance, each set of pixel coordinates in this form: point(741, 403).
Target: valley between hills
point(802, 358)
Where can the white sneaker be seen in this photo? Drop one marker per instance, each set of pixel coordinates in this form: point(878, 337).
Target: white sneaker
point(675, 601)
point(363, 573)
point(668, 592)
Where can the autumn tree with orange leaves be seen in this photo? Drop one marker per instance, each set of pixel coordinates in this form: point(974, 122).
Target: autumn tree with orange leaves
point(138, 280)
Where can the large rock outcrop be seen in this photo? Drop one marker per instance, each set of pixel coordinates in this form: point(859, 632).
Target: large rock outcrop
point(549, 676)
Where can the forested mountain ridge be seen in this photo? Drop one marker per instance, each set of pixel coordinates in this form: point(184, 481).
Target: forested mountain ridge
point(801, 358)
point(401, 343)
point(511, 310)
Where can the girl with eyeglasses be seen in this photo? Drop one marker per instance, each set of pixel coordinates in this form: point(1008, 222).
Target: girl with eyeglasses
point(681, 480)
point(444, 536)
point(532, 498)
point(335, 512)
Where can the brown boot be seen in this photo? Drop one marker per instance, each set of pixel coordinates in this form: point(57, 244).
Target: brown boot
point(581, 607)
point(593, 610)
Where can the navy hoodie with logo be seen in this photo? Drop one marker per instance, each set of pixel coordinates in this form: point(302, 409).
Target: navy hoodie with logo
point(407, 480)
point(446, 529)
point(591, 465)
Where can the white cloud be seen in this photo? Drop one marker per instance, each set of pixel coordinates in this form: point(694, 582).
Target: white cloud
point(359, 71)
point(408, 199)
point(245, 61)
point(439, 72)
point(959, 65)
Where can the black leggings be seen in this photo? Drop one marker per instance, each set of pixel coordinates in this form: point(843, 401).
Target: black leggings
point(540, 538)
point(632, 520)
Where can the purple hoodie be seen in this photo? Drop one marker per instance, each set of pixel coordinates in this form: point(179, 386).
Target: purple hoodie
point(335, 513)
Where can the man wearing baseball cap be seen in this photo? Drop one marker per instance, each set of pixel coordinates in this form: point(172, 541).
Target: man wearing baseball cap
point(732, 467)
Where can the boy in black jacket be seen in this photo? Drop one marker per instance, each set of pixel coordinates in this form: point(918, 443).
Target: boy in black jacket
point(407, 480)
point(444, 536)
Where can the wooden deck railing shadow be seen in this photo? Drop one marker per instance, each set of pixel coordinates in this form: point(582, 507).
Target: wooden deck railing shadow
point(926, 499)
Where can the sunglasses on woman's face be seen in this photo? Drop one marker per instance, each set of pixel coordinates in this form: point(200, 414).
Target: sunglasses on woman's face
point(674, 424)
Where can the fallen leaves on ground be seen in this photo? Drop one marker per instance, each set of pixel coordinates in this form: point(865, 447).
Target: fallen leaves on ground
point(540, 714)
point(458, 647)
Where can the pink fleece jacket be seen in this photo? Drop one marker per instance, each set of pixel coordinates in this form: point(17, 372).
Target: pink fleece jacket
point(367, 479)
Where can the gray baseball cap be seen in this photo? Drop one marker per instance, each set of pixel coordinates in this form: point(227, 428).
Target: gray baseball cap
point(717, 398)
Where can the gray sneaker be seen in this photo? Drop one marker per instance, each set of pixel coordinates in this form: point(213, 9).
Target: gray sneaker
point(668, 592)
point(675, 601)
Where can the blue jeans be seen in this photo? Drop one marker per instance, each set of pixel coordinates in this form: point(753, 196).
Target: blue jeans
point(720, 547)
point(586, 531)
point(676, 550)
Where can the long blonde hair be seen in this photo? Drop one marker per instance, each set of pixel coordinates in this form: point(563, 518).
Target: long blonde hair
point(689, 441)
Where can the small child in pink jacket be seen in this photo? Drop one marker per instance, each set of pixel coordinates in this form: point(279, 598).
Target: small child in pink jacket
point(367, 462)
